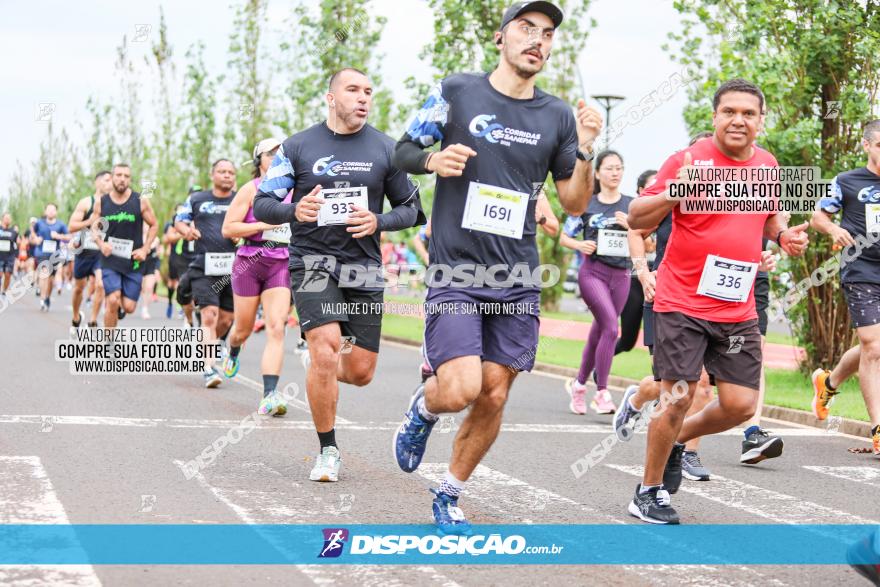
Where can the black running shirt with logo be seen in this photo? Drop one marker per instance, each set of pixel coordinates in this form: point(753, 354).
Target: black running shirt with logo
point(124, 232)
point(8, 244)
point(318, 156)
point(857, 194)
point(207, 212)
point(486, 216)
point(600, 217)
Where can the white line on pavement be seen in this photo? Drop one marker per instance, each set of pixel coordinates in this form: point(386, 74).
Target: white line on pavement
point(272, 507)
point(514, 501)
point(866, 475)
point(758, 501)
point(266, 423)
point(27, 497)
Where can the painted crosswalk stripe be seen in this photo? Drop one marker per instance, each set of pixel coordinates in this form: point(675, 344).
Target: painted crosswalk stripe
point(295, 506)
point(866, 475)
point(758, 501)
point(514, 501)
point(28, 497)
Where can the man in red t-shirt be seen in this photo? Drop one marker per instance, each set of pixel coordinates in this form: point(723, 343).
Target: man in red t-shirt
point(704, 305)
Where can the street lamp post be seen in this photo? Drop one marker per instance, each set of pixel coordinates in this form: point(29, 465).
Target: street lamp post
point(608, 102)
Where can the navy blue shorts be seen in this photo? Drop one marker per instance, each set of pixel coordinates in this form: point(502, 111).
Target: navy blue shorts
point(129, 283)
point(6, 265)
point(497, 325)
point(85, 265)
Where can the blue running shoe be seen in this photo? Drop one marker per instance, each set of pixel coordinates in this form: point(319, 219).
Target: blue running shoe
point(626, 419)
point(412, 436)
point(448, 518)
point(169, 311)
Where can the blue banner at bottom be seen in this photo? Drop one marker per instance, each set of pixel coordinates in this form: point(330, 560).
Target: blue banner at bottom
point(418, 544)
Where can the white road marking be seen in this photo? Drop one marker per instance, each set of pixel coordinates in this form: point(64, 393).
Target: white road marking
point(268, 423)
point(27, 497)
point(300, 405)
point(865, 475)
point(758, 501)
point(280, 507)
point(515, 501)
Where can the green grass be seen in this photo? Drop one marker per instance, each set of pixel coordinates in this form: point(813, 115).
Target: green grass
point(790, 389)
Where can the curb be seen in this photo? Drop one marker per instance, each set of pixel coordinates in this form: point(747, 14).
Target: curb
point(845, 425)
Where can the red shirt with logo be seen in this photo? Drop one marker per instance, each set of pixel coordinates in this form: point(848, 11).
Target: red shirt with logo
point(695, 236)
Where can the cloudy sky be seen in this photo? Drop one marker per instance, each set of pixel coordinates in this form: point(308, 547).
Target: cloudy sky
point(61, 52)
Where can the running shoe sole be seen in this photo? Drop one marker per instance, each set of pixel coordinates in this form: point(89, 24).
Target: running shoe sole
point(768, 450)
point(634, 510)
point(326, 478)
point(213, 382)
point(687, 475)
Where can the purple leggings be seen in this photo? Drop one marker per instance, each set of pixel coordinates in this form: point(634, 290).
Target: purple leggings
point(604, 290)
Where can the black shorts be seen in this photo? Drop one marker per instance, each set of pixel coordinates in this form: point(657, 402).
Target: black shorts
point(184, 289)
point(151, 265)
point(730, 351)
point(762, 302)
point(211, 290)
point(85, 264)
point(648, 326)
point(7, 264)
point(176, 266)
point(863, 300)
point(357, 310)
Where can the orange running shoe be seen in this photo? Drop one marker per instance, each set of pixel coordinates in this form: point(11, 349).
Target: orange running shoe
point(259, 324)
point(292, 321)
point(875, 435)
point(822, 396)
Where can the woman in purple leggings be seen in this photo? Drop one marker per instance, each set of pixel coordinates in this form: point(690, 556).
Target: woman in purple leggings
point(603, 278)
point(259, 275)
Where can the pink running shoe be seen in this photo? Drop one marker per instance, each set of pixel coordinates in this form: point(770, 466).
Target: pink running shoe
point(578, 393)
point(602, 402)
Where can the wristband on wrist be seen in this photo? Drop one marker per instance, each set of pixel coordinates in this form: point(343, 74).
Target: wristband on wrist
point(427, 159)
point(779, 235)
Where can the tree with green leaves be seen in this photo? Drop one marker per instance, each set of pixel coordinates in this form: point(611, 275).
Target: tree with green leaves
point(815, 61)
point(198, 117)
point(247, 117)
point(342, 34)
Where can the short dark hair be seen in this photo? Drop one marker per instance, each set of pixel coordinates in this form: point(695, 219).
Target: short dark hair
point(642, 181)
point(700, 135)
point(219, 161)
point(103, 173)
point(344, 69)
point(738, 85)
point(871, 128)
point(126, 165)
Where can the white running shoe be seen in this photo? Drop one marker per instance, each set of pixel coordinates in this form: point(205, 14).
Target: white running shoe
point(326, 467)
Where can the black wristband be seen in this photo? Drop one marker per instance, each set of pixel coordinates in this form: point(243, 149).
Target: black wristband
point(778, 235)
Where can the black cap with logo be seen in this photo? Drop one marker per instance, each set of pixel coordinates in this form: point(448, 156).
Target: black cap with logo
point(548, 8)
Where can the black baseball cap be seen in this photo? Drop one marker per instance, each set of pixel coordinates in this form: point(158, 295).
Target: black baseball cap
point(554, 12)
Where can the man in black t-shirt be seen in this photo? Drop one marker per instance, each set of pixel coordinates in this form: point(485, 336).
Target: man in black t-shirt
point(500, 136)
point(200, 219)
point(856, 195)
point(8, 251)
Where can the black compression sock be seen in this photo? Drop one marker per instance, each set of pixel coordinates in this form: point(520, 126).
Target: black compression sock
point(270, 382)
point(828, 383)
point(327, 438)
point(170, 295)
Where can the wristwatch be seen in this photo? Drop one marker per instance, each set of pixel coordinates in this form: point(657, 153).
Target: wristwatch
point(584, 157)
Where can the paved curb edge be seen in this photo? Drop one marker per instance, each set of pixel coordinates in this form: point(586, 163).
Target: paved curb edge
point(846, 426)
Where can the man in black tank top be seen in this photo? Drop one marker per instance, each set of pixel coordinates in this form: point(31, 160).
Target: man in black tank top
point(87, 263)
point(200, 219)
point(122, 247)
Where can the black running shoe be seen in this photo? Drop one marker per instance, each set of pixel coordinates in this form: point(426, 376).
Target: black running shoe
point(653, 506)
point(120, 313)
point(759, 445)
point(672, 472)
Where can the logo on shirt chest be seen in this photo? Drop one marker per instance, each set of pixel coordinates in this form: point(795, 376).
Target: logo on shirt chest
point(483, 127)
point(869, 194)
point(212, 208)
point(333, 167)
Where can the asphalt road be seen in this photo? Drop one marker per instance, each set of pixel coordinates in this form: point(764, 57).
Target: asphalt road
point(106, 449)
